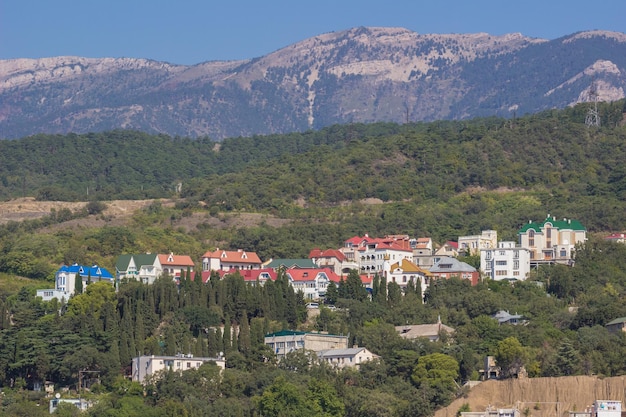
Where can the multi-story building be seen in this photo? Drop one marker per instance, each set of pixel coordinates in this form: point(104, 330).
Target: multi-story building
point(333, 259)
point(471, 245)
point(65, 280)
point(144, 267)
point(506, 262)
point(175, 265)
point(552, 241)
point(226, 260)
point(447, 268)
point(146, 366)
point(346, 358)
point(373, 255)
point(287, 341)
point(313, 282)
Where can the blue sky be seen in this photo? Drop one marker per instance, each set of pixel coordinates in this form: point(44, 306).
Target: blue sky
point(194, 31)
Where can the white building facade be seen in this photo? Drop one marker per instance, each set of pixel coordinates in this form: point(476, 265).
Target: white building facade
point(507, 262)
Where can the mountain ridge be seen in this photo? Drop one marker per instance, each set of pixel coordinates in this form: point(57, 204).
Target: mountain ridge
point(357, 75)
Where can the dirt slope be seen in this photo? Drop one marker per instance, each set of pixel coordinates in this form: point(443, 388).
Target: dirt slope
point(544, 397)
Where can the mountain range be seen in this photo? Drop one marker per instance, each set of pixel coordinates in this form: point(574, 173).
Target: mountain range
point(365, 74)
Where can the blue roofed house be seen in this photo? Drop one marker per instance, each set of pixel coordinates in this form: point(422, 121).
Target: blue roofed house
point(65, 280)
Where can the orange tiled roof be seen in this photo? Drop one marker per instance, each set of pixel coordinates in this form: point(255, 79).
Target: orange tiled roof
point(238, 256)
point(328, 253)
point(309, 274)
point(175, 260)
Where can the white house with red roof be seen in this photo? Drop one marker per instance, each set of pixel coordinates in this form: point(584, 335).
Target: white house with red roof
point(376, 252)
point(250, 276)
point(175, 264)
point(616, 238)
point(312, 282)
point(225, 260)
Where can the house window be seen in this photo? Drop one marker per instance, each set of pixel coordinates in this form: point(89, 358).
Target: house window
point(188, 365)
point(501, 273)
point(563, 253)
point(501, 263)
point(488, 255)
point(531, 238)
point(515, 264)
point(515, 254)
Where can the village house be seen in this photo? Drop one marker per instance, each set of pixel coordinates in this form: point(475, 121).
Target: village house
point(507, 262)
point(225, 260)
point(552, 241)
point(146, 366)
point(432, 332)
point(66, 277)
point(616, 238)
point(144, 267)
point(346, 358)
point(277, 264)
point(250, 276)
point(448, 267)
point(449, 248)
point(287, 341)
point(330, 258)
point(471, 245)
point(175, 265)
point(313, 282)
point(406, 271)
point(616, 326)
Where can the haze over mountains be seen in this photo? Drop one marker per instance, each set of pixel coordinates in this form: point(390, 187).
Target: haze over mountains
point(358, 75)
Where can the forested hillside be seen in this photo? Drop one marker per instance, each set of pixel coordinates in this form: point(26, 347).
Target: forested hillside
point(439, 180)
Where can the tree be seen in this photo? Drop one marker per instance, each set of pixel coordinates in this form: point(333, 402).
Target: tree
point(438, 372)
point(510, 356)
point(332, 293)
point(78, 284)
point(283, 399)
point(354, 287)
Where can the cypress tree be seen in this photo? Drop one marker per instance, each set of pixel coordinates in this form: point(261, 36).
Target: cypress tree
point(78, 283)
point(226, 337)
point(383, 291)
point(215, 344)
point(245, 339)
point(170, 342)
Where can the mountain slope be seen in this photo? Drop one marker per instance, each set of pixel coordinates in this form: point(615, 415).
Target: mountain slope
point(358, 75)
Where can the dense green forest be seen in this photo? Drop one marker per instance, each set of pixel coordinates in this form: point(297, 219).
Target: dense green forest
point(441, 180)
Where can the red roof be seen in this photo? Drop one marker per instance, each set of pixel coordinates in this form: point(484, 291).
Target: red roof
point(238, 256)
point(176, 260)
point(453, 244)
point(328, 253)
point(309, 274)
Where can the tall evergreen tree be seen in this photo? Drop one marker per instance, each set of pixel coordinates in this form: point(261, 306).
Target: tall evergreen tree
point(245, 340)
point(78, 284)
point(226, 337)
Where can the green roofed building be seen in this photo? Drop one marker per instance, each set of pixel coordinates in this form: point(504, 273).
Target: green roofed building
point(552, 240)
point(144, 267)
point(290, 263)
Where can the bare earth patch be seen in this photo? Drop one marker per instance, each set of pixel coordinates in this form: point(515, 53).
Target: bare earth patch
point(119, 212)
